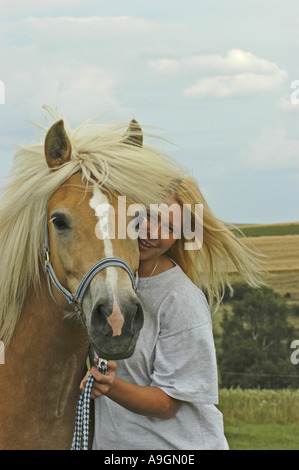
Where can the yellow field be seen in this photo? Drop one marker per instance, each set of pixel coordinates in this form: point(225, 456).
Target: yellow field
point(282, 252)
point(282, 262)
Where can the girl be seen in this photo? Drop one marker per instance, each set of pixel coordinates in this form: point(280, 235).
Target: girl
point(164, 396)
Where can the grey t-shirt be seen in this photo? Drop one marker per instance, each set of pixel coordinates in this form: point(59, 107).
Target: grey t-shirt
point(175, 352)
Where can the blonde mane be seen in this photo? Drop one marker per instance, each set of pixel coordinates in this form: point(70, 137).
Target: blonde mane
point(98, 151)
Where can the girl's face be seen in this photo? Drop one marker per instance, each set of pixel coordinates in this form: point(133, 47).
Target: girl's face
point(159, 232)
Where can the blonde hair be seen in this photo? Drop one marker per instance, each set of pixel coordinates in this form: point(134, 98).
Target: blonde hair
point(100, 153)
point(209, 266)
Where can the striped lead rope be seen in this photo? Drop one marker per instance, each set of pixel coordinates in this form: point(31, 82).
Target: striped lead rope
point(81, 432)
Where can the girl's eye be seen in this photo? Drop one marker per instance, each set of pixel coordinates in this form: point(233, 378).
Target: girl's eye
point(167, 229)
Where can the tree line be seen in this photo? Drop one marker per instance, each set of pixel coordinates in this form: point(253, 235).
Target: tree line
point(256, 340)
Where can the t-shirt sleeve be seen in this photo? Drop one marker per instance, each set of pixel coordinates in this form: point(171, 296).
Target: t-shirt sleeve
point(185, 363)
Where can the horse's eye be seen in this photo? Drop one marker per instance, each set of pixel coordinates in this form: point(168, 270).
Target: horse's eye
point(60, 222)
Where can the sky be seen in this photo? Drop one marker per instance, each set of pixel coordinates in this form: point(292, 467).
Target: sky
point(218, 78)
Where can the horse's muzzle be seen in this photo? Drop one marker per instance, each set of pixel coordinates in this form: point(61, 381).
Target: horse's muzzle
point(115, 327)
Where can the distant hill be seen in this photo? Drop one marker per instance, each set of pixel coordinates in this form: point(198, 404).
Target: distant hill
point(268, 230)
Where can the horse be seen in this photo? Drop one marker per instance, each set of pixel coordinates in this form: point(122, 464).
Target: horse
point(49, 251)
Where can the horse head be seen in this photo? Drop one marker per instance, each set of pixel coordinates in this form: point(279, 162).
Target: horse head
point(109, 308)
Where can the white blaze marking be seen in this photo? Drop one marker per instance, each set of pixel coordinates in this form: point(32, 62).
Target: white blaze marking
point(116, 319)
point(99, 203)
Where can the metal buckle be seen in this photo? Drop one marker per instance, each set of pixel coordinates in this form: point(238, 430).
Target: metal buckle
point(47, 255)
point(79, 310)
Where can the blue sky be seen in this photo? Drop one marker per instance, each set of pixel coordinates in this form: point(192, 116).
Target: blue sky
point(215, 75)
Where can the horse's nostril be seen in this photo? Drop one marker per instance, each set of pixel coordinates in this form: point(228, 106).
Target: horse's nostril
point(106, 330)
point(137, 320)
point(99, 316)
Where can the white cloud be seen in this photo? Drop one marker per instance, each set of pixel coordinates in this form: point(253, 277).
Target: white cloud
point(236, 60)
point(84, 91)
point(18, 7)
point(273, 149)
point(288, 105)
point(238, 73)
point(81, 65)
point(84, 66)
point(241, 84)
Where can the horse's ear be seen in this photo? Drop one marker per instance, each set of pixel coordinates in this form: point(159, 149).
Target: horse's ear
point(57, 145)
point(133, 135)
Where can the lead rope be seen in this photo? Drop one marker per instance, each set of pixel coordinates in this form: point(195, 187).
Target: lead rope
point(81, 432)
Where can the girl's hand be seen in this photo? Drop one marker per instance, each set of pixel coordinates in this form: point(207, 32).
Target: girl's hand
point(103, 383)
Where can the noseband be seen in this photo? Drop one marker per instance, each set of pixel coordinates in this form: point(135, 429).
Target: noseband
point(77, 298)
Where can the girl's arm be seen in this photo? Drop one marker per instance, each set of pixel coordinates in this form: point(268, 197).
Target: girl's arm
point(143, 400)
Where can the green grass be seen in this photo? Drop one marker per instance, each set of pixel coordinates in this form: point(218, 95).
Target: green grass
point(263, 437)
point(260, 419)
point(270, 230)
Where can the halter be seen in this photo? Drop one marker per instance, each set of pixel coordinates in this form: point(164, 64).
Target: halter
point(77, 298)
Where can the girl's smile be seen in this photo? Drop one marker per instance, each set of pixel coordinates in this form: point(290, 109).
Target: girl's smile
point(144, 244)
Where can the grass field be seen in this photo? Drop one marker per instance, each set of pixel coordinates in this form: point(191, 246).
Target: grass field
point(281, 256)
point(262, 437)
point(260, 419)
